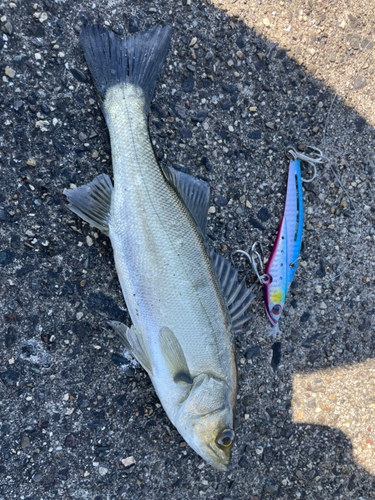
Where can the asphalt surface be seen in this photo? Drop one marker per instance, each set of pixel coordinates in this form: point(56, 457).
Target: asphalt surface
point(242, 81)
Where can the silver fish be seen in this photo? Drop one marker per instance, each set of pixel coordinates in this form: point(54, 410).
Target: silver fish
point(183, 299)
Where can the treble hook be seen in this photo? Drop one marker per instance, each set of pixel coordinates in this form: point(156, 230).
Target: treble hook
point(255, 259)
point(291, 152)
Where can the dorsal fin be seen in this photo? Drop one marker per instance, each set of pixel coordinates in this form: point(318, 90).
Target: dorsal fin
point(194, 192)
point(238, 296)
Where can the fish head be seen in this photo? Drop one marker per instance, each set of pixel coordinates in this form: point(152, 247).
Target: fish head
point(205, 420)
point(274, 298)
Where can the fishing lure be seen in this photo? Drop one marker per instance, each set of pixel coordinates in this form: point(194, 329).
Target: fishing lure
point(282, 263)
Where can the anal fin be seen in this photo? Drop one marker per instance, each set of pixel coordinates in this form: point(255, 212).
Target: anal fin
point(92, 202)
point(134, 342)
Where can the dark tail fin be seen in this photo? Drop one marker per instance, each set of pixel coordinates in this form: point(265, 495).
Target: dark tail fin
point(137, 60)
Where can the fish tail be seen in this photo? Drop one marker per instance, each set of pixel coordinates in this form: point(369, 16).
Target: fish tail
point(137, 60)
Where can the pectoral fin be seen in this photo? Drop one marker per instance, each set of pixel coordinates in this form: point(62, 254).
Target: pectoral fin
point(174, 356)
point(92, 202)
point(134, 342)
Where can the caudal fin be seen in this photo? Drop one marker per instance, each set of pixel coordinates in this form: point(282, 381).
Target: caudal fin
point(137, 60)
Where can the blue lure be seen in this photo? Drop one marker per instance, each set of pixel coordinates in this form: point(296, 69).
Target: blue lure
point(282, 264)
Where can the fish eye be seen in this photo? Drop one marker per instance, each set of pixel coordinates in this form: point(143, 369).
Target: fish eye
point(276, 309)
point(225, 438)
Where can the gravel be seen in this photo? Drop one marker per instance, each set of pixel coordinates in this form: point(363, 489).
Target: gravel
point(303, 77)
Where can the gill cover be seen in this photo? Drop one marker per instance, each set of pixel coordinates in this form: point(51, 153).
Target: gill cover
point(205, 419)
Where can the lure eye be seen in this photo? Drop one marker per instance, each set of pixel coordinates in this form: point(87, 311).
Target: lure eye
point(276, 309)
point(226, 438)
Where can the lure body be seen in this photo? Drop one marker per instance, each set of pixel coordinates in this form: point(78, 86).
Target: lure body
point(283, 260)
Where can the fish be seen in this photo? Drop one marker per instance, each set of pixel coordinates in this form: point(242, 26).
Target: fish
point(282, 263)
point(184, 299)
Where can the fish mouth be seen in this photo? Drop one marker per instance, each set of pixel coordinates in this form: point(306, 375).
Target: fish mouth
point(221, 463)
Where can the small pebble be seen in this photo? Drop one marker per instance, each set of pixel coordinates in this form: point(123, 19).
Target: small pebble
point(25, 443)
point(79, 315)
point(266, 22)
point(128, 461)
point(263, 214)
point(10, 72)
point(103, 471)
point(79, 75)
point(359, 82)
point(8, 28)
point(188, 84)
